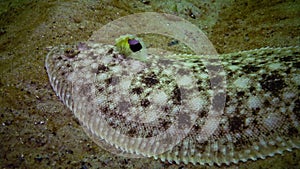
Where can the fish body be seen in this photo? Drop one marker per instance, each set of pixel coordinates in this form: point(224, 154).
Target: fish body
point(196, 109)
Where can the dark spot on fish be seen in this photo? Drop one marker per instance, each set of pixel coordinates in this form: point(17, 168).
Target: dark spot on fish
point(176, 96)
point(263, 62)
point(235, 63)
point(267, 103)
point(166, 109)
point(149, 134)
point(115, 80)
point(137, 90)
point(116, 56)
point(165, 124)
point(108, 81)
point(236, 123)
point(102, 68)
point(288, 70)
point(199, 86)
point(297, 64)
point(272, 83)
point(252, 89)
point(202, 114)
point(145, 102)
point(286, 59)
point(110, 51)
point(201, 146)
point(196, 61)
point(71, 53)
point(131, 132)
point(105, 109)
point(254, 122)
point(240, 94)
point(228, 98)
point(268, 52)
point(196, 128)
point(240, 143)
point(100, 89)
point(268, 133)
point(292, 131)
point(230, 73)
point(255, 112)
point(150, 80)
point(250, 68)
point(296, 109)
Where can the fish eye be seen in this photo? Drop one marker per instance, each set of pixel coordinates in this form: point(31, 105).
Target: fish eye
point(134, 45)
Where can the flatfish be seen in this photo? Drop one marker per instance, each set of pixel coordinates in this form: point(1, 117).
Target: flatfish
point(181, 108)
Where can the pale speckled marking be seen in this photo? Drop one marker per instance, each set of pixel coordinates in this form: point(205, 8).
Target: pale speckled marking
point(261, 115)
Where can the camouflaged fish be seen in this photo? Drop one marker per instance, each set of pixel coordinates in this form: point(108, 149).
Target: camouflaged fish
point(181, 108)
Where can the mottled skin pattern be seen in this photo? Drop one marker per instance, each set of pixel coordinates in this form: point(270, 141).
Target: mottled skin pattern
point(229, 108)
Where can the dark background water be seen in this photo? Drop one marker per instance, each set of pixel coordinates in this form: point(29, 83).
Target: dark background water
point(38, 131)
